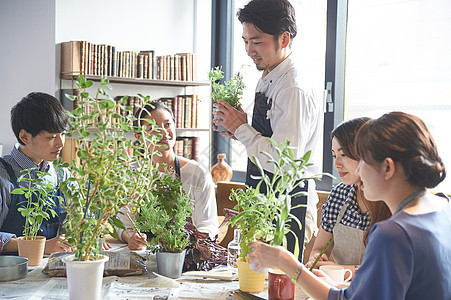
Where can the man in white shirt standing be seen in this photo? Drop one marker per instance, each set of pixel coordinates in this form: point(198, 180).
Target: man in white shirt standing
point(282, 108)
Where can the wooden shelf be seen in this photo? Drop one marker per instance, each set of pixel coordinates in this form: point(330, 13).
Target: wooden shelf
point(140, 81)
point(192, 129)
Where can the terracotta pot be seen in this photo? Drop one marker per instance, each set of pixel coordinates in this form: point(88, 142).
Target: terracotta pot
point(32, 249)
point(84, 278)
point(250, 281)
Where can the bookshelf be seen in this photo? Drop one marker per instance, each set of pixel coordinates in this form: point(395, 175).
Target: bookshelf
point(193, 138)
point(141, 81)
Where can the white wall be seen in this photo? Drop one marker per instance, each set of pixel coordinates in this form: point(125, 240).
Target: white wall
point(168, 27)
point(30, 31)
point(27, 56)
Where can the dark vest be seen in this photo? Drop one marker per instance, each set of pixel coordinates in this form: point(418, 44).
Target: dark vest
point(263, 125)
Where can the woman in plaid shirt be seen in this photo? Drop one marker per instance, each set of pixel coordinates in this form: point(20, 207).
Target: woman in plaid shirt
point(347, 216)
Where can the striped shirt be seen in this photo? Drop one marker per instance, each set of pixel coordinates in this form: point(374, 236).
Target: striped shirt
point(18, 162)
point(352, 217)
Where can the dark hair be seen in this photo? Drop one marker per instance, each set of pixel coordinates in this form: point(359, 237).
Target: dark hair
point(405, 139)
point(37, 112)
point(145, 112)
point(345, 133)
point(273, 17)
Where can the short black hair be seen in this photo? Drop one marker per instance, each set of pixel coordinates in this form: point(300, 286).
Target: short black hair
point(37, 112)
point(273, 17)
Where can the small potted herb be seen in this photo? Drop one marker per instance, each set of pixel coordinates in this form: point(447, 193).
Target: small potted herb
point(39, 206)
point(229, 91)
point(265, 217)
point(164, 214)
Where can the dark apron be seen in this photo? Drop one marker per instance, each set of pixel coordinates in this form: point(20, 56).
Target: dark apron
point(14, 222)
point(263, 125)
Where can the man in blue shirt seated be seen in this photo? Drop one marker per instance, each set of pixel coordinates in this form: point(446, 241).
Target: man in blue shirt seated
point(39, 124)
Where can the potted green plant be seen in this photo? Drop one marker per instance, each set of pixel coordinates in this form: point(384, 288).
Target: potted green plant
point(265, 217)
point(107, 179)
point(39, 206)
point(164, 215)
point(230, 91)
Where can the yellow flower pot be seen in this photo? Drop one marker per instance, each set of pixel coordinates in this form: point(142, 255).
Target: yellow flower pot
point(250, 281)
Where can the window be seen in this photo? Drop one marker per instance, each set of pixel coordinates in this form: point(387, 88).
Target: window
point(398, 57)
point(309, 47)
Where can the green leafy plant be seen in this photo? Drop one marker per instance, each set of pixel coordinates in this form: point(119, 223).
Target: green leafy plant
point(35, 212)
point(108, 177)
point(265, 217)
point(165, 213)
point(230, 91)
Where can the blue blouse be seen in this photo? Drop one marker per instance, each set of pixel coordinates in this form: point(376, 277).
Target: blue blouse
point(407, 257)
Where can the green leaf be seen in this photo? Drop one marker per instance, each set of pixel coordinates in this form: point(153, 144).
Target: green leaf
point(71, 97)
point(106, 104)
point(18, 191)
point(88, 84)
point(77, 112)
point(116, 222)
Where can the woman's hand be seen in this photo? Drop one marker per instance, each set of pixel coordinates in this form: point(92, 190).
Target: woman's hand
point(320, 274)
point(106, 246)
point(134, 240)
point(322, 261)
point(57, 244)
point(263, 255)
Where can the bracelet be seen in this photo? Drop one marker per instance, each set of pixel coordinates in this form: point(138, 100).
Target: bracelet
point(297, 273)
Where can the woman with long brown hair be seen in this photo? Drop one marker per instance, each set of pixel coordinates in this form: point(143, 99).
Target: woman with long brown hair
point(347, 217)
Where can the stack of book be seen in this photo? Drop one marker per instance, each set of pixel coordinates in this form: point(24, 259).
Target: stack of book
point(187, 147)
point(184, 108)
point(180, 66)
point(82, 57)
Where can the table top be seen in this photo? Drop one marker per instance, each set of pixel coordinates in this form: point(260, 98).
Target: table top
point(149, 285)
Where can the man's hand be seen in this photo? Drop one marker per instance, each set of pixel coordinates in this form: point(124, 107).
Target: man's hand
point(231, 118)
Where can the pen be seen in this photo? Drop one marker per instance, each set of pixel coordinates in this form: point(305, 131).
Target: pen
point(321, 254)
point(133, 223)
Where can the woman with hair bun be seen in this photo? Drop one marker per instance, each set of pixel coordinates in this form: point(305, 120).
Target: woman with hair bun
point(408, 256)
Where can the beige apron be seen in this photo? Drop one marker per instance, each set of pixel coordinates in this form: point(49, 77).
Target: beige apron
point(348, 242)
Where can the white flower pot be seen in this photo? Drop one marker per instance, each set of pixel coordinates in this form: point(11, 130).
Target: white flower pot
point(84, 278)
